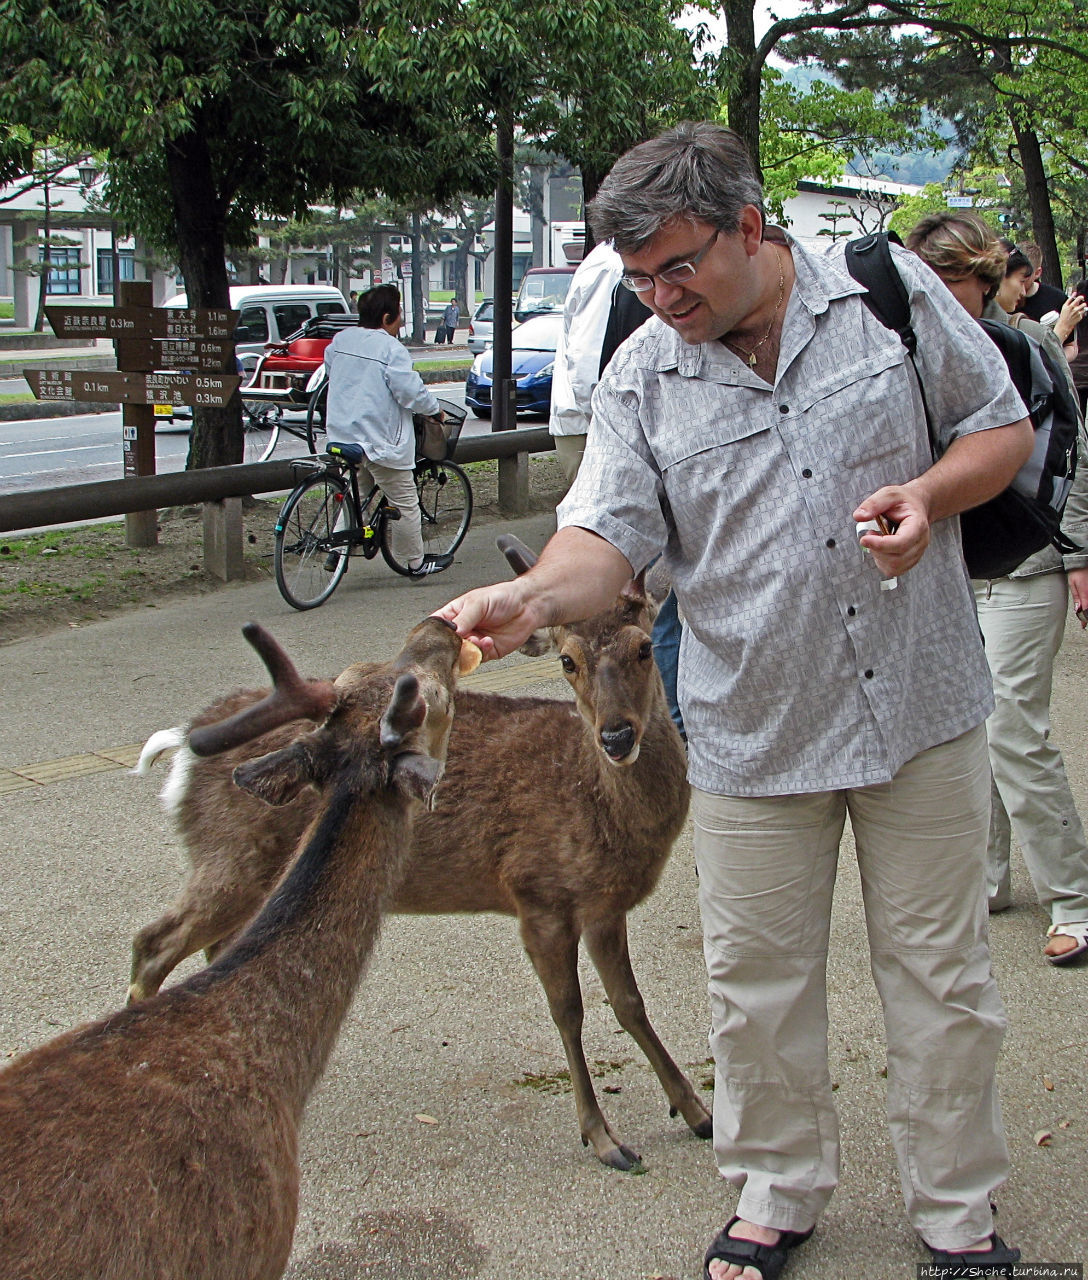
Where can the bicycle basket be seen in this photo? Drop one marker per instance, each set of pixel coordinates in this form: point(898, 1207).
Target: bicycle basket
point(436, 442)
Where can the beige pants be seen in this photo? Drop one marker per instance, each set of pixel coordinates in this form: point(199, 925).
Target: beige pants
point(400, 488)
point(568, 451)
point(1023, 622)
point(766, 876)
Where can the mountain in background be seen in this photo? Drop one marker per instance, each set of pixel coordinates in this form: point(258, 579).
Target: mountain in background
point(917, 167)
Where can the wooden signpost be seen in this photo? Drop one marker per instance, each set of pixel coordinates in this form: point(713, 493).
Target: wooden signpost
point(151, 343)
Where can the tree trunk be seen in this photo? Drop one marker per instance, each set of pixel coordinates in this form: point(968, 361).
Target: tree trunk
point(419, 315)
point(459, 269)
point(43, 279)
point(1042, 216)
point(200, 228)
point(742, 88)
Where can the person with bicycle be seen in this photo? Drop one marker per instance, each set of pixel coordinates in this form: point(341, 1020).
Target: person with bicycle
point(373, 393)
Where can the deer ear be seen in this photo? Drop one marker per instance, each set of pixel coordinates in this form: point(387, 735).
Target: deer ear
point(416, 775)
point(517, 554)
point(277, 777)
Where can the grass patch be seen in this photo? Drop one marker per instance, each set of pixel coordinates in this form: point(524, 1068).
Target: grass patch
point(17, 397)
point(430, 366)
point(86, 542)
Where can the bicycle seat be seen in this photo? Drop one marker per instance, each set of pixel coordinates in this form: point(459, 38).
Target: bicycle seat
point(349, 452)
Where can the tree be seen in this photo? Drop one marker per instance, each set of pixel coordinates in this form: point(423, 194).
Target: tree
point(816, 132)
point(45, 167)
point(1006, 76)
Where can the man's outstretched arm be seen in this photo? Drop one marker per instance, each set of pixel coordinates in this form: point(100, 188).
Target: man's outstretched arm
point(578, 574)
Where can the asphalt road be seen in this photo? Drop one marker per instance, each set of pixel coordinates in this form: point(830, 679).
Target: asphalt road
point(43, 452)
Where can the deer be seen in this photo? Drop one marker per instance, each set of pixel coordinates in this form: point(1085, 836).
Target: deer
point(161, 1142)
point(567, 828)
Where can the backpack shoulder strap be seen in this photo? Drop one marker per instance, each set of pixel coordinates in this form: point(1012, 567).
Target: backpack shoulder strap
point(1015, 346)
point(870, 262)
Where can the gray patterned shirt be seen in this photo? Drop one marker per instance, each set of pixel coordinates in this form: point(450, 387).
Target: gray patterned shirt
point(797, 671)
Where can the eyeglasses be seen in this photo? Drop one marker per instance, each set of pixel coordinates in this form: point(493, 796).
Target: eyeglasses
point(678, 273)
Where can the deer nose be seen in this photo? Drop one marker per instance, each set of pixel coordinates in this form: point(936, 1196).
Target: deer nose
point(618, 743)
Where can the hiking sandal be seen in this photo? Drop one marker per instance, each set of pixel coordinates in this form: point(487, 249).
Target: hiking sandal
point(1075, 929)
point(769, 1258)
point(998, 1260)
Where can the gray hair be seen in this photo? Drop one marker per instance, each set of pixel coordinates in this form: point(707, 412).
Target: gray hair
point(695, 170)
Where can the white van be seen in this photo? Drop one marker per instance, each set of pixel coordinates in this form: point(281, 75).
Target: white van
point(269, 312)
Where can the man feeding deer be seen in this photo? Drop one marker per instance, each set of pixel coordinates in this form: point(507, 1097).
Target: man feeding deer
point(766, 434)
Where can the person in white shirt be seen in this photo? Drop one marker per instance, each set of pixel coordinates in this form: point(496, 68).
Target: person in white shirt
point(373, 393)
point(578, 354)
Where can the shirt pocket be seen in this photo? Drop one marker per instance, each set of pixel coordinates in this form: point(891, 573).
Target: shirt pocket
point(865, 409)
point(712, 438)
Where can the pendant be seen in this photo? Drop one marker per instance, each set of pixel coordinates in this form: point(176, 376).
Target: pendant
point(752, 360)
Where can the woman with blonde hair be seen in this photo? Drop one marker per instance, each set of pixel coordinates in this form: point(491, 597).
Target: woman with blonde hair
point(1022, 617)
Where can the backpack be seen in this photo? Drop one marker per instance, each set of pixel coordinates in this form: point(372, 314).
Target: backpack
point(1000, 534)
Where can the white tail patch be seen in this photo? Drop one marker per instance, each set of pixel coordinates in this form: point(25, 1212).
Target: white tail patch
point(164, 740)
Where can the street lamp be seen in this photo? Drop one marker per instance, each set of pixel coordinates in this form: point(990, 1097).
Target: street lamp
point(88, 176)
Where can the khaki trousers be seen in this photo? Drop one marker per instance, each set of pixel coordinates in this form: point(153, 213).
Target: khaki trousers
point(400, 488)
point(766, 877)
point(1023, 622)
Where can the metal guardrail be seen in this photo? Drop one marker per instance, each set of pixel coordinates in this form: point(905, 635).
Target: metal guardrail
point(62, 504)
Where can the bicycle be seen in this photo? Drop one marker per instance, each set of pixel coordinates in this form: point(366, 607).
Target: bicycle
point(325, 519)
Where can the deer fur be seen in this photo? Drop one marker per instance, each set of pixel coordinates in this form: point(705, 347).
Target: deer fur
point(161, 1142)
point(561, 815)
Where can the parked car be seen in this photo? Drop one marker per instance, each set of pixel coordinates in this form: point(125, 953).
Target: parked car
point(543, 289)
point(271, 313)
point(531, 363)
point(481, 327)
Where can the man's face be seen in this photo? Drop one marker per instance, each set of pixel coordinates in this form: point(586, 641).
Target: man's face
point(724, 290)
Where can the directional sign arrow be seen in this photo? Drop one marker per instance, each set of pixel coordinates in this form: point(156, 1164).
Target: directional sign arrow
point(141, 322)
point(175, 353)
point(213, 390)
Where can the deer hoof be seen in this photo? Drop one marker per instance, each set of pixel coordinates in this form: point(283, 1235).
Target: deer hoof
point(704, 1129)
point(623, 1159)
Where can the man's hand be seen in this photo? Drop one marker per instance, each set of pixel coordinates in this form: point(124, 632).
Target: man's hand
point(903, 507)
point(498, 619)
point(1078, 589)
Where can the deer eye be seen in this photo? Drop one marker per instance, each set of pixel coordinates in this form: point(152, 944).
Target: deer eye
point(646, 650)
point(567, 663)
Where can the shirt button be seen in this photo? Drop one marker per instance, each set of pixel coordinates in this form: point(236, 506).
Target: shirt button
point(831, 542)
point(783, 408)
point(807, 473)
point(851, 612)
point(868, 673)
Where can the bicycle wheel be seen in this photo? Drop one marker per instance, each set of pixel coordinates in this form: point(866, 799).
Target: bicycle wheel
point(308, 568)
point(315, 419)
point(445, 509)
point(260, 430)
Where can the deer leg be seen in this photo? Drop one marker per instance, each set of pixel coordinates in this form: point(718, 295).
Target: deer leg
point(552, 945)
point(207, 912)
point(606, 942)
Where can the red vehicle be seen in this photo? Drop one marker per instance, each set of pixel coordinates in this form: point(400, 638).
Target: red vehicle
point(288, 365)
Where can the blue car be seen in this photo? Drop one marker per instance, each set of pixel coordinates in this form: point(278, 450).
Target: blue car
point(532, 361)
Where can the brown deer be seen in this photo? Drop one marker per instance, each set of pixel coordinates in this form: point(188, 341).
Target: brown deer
point(160, 1143)
point(562, 819)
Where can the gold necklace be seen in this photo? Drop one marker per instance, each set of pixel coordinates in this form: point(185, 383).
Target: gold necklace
point(750, 356)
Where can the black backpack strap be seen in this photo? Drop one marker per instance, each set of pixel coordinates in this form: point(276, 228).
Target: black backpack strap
point(1016, 350)
point(626, 313)
point(869, 261)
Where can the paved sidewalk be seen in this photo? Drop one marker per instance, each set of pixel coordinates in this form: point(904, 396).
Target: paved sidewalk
point(450, 1024)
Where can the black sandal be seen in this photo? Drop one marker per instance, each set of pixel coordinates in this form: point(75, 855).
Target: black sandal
point(769, 1258)
point(998, 1260)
